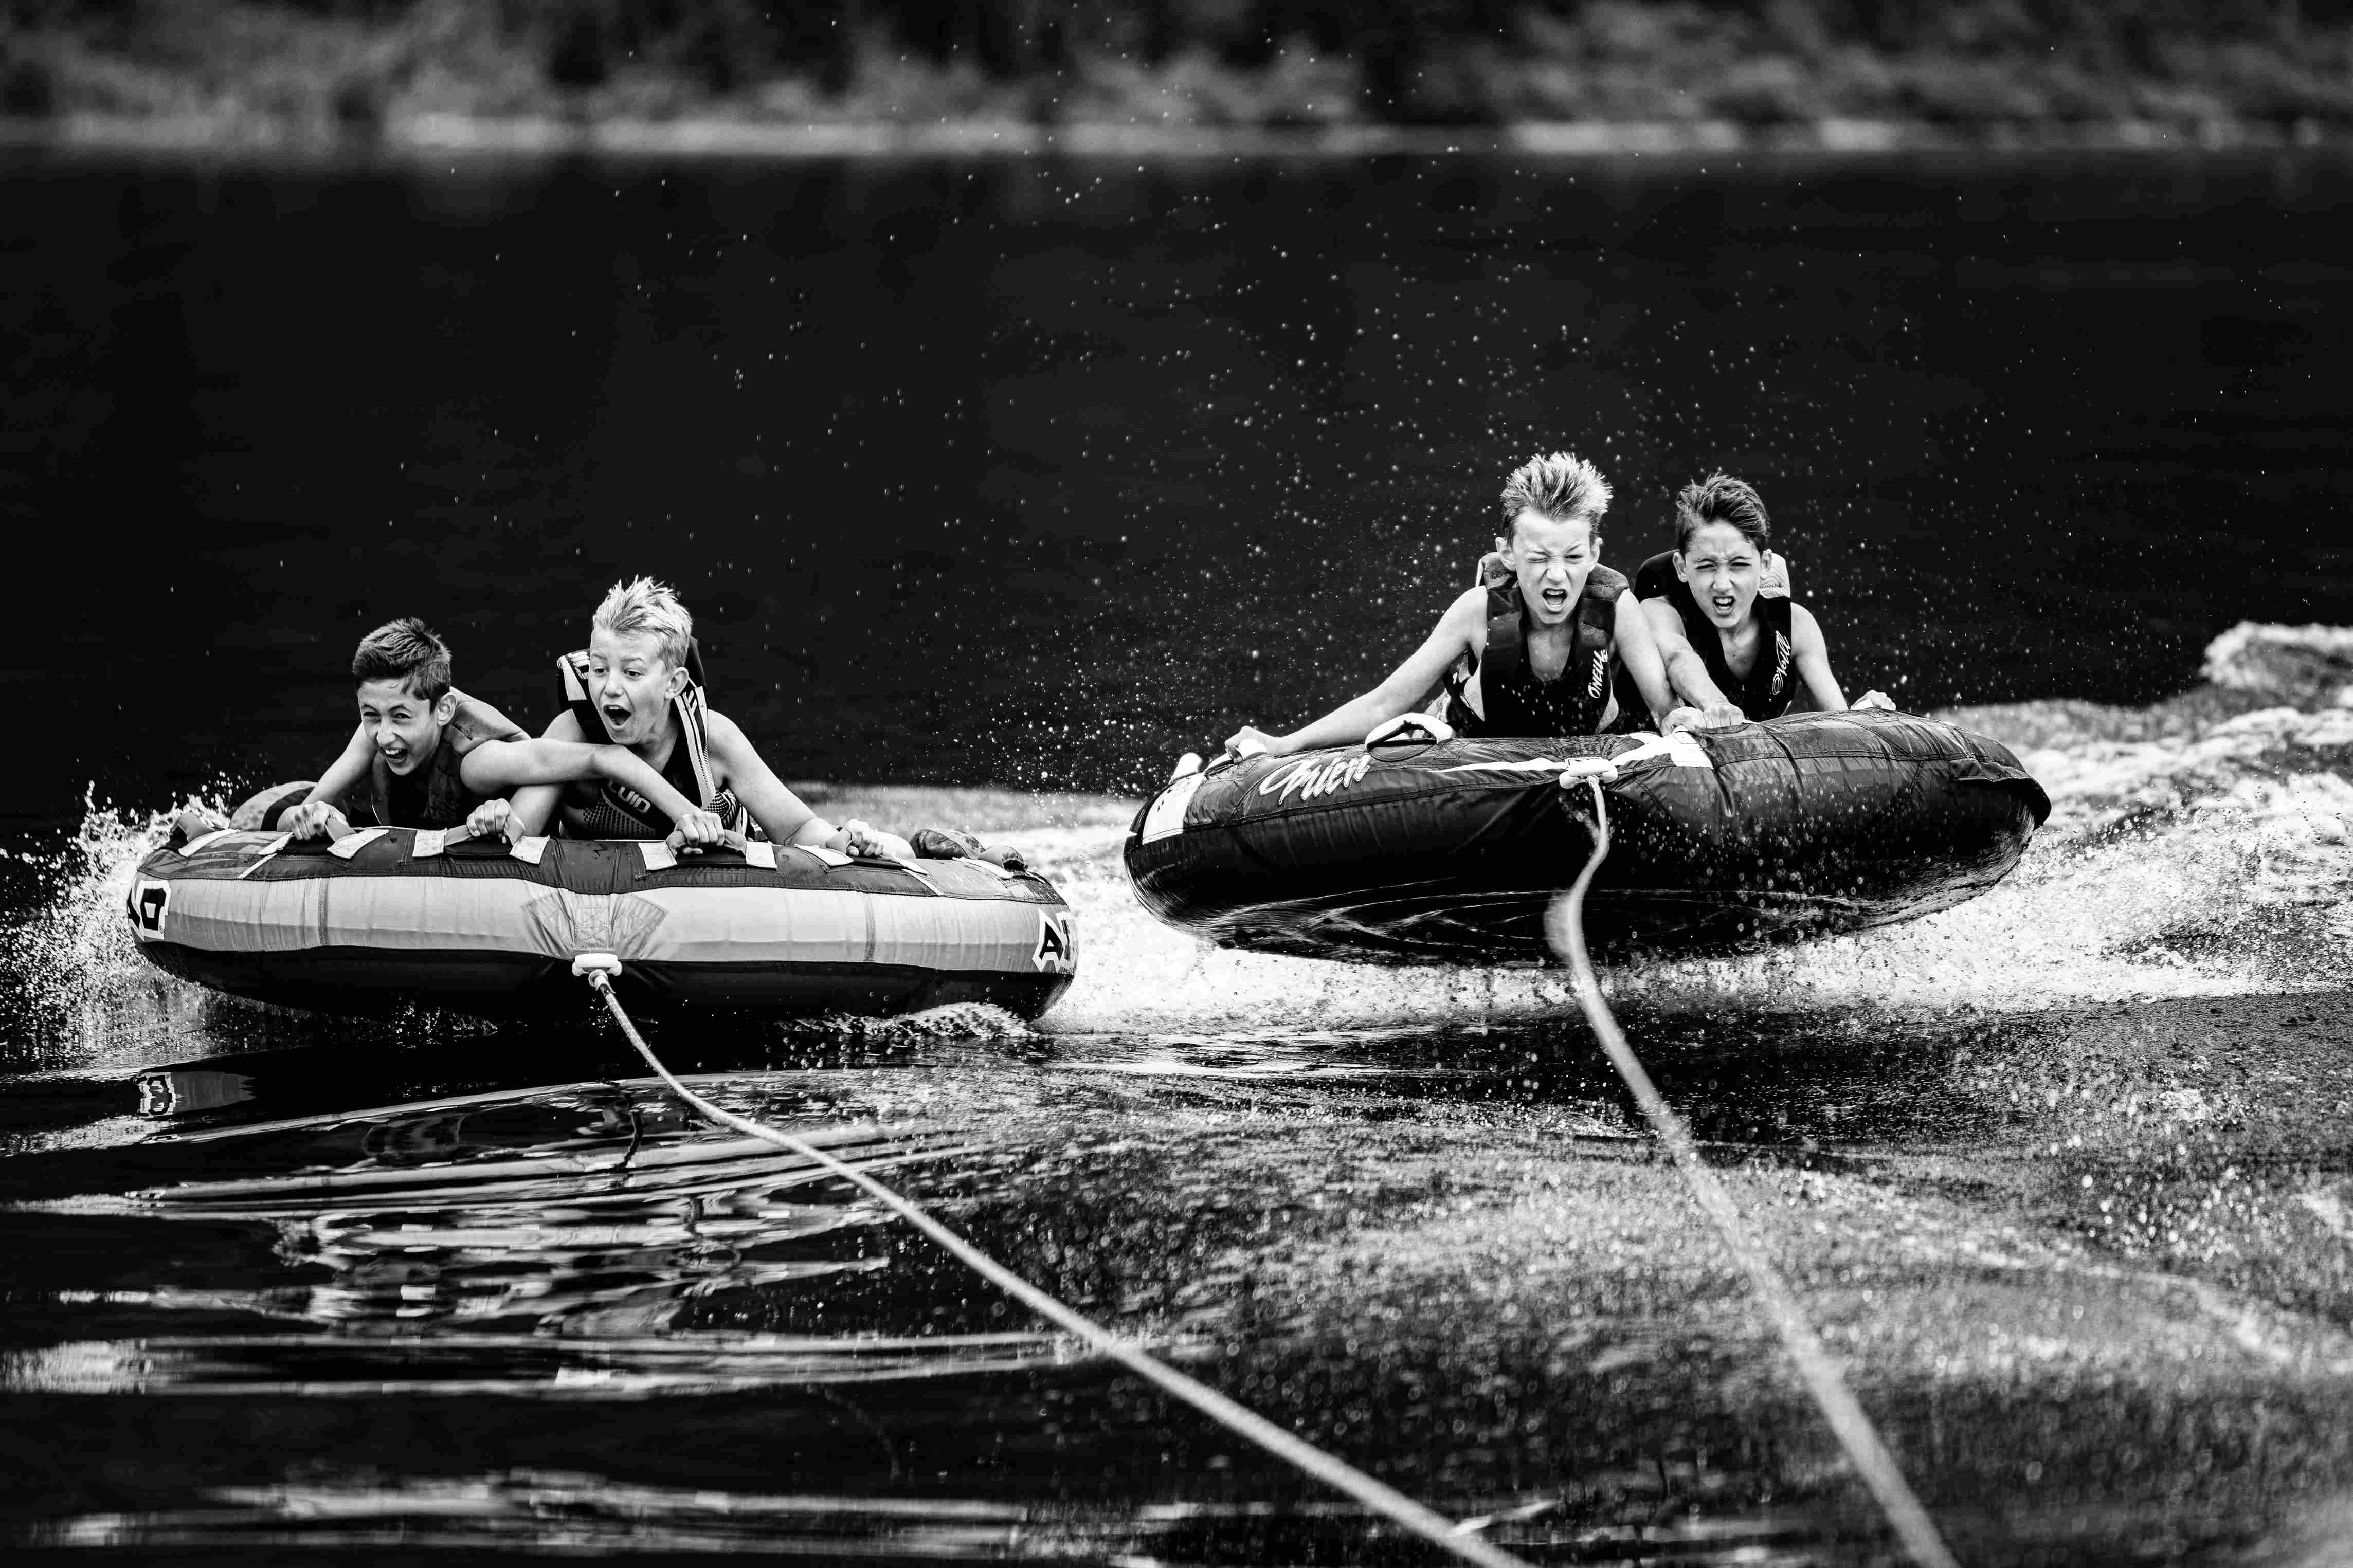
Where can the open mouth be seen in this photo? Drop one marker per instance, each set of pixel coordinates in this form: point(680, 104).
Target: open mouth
point(615, 716)
point(1722, 604)
point(1556, 598)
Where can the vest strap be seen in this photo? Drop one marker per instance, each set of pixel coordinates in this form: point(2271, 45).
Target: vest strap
point(692, 709)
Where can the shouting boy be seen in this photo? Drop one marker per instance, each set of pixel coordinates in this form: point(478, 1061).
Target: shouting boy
point(427, 755)
point(1736, 645)
point(1532, 651)
point(633, 687)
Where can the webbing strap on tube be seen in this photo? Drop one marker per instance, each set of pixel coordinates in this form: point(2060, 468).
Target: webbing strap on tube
point(1565, 925)
point(1334, 1472)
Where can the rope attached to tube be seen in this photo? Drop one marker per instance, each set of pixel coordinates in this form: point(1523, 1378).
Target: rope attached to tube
point(1565, 925)
point(1336, 1473)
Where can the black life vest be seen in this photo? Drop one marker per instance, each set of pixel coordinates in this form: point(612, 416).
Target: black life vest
point(1771, 684)
point(602, 808)
point(1516, 703)
point(434, 796)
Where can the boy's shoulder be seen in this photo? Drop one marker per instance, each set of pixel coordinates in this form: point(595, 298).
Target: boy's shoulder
point(476, 721)
point(722, 729)
point(1655, 578)
point(1469, 607)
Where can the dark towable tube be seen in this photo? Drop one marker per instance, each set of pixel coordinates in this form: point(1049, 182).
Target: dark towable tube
point(1450, 852)
point(392, 915)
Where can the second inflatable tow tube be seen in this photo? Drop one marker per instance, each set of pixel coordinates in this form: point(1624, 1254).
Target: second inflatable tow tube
point(1417, 846)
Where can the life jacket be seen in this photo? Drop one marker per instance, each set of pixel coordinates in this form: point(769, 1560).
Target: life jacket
point(602, 808)
point(434, 795)
point(1771, 684)
point(1516, 703)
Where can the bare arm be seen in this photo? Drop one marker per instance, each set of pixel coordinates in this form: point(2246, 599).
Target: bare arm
point(1409, 683)
point(496, 767)
point(1814, 660)
point(1686, 671)
point(328, 799)
point(1641, 656)
point(532, 807)
point(781, 813)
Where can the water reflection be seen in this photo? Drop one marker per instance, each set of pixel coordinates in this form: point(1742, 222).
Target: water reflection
point(638, 1325)
point(555, 1511)
point(589, 1213)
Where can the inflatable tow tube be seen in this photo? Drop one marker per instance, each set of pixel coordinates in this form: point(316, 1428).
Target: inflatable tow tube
point(1420, 848)
point(386, 916)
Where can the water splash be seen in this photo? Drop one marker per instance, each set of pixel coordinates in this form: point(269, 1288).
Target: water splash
point(72, 985)
point(2200, 846)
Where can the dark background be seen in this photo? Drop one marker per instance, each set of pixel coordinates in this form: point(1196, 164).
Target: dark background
point(1033, 473)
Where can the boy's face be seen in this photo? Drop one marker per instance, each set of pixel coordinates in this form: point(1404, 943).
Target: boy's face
point(631, 685)
point(1552, 557)
point(404, 729)
point(1722, 571)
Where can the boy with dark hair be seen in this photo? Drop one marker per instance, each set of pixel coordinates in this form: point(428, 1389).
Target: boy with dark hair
point(427, 755)
point(1734, 646)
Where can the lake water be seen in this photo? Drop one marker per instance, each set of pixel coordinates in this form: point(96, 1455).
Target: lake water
point(988, 481)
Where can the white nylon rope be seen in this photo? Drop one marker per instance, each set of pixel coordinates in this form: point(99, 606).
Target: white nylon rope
point(1336, 1473)
point(1565, 927)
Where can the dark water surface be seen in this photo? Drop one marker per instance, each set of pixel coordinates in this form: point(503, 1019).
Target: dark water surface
point(1031, 474)
point(1022, 476)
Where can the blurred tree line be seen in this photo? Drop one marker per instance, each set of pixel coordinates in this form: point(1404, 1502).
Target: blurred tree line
point(1436, 61)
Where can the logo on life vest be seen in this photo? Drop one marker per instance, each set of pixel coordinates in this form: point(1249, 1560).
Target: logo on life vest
point(148, 903)
point(1600, 674)
point(629, 800)
point(1315, 777)
point(1780, 660)
point(1058, 945)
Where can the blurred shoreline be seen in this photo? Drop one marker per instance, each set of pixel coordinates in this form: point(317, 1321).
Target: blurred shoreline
point(414, 80)
point(426, 137)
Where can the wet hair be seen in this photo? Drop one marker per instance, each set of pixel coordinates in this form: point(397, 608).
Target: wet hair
point(643, 605)
point(1560, 485)
point(1720, 498)
point(408, 651)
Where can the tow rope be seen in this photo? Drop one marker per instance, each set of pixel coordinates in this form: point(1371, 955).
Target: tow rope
point(1564, 928)
point(1458, 1540)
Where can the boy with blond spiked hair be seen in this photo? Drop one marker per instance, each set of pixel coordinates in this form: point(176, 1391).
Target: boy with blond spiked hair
point(427, 755)
point(1530, 650)
point(638, 685)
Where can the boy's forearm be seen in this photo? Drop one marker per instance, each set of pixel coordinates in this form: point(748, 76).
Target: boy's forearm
point(624, 766)
point(1687, 675)
point(1344, 726)
point(1821, 685)
point(335, 785)
point(533, 805)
